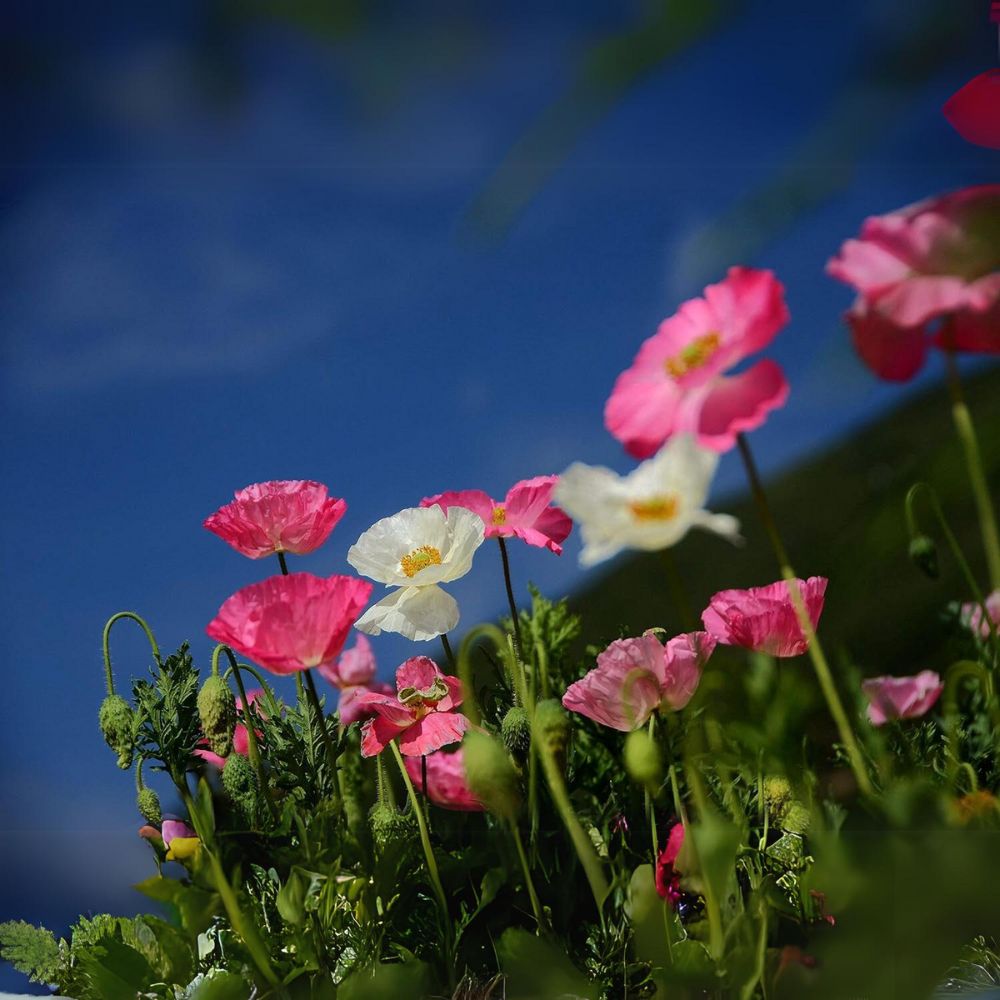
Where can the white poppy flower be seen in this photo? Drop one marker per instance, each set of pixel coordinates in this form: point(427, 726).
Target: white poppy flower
point(651, 508)
point(415, 550)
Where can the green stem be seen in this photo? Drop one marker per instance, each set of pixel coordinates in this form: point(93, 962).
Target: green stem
point(973, 459)
point(470, 706)
point(449, 653)
point(331, 753)
point(816, 654)
point(715, 931)
point(536, 906)
point(510, 597)
point(106, 644)
point(282, 563)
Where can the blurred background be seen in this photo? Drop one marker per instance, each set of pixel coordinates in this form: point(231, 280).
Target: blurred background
point(403, 248)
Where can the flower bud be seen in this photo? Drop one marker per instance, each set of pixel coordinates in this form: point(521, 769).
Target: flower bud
point(552, 729)
point(239, 779)
point(777, 793)
point(148, 804)
point(117, 722)
point(491, 775)
point(217, 711)
point(923, 552)
point(515, 730)
point(390, 827)
point(796, 819)
point(642, 760)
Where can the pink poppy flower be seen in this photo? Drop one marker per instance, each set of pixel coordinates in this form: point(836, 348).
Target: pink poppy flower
point(420, 716)
point(676, 382)
point(972, 615)
point(926, 275)
point(763, 618)
point(446, 784)
point(636, 677)
point(352, 675)
point(294, 515)
point(668, 878)
point(294, 622)
point(241, 741)
point(974, 111)
point(525, 513)
point(901, 697)
point(172, 827)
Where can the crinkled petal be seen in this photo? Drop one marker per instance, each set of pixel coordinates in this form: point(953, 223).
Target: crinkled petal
point(433, 731)
point(739, 403)
point(419, 613)
point(446, 783)
point(376, 734)
point(475, 500)
point(684, 657)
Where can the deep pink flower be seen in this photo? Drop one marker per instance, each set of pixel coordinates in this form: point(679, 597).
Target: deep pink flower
point(636, 677)
point(525, 512)
point(241, 741)
point(293, 515)
point(668, 878)
point(353, 674)
point(446, 784)
point(763, 618)
point(901, 697)
point(974, 111)
point(294, 622)
point(421, 714)
point(972, 615)
point(676, 382)
point(926, 275)
point(171, 828)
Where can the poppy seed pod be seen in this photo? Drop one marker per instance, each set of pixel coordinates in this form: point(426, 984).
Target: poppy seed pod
point(551, 729)
point(491, 775)
point(148, 804)
point(777, 793)
point(239, 779)
point(389, 826)
point(923, 552)
point(515, 730)
point(217, 711)
point(643, 760)
point(117, 722)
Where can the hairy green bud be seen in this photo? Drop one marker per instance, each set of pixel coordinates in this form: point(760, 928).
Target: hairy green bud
point(217, 711)
point(239, 779)
point(390, 827)
point(923, 552)
point(515, 730)
point(551, 730)
point(777, 793)
point(491, 775)
point(643, 760)
point(148, 804)
point(117, 722)
point(796, 819)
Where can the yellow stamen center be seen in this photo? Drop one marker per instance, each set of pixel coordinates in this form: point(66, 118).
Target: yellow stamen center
point(499, 515)
point(420, 559)
point(661, 508)
point(693, 356)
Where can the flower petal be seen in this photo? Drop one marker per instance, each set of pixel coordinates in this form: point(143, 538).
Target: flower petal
point(433, 731)
point(419, 613)
point(739, 403)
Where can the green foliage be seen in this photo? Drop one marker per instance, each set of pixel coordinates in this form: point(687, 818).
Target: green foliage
point(31, 950)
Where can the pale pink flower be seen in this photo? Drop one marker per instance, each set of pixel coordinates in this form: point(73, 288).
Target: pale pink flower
point(972, 615)
point(525, 512)
point(241, 741)
point(974, 111)
point(420, 717)
point(353, 674)
point(636, 677)
point(901, 697)
point(763, 618)
point(290, 623)
point(446, 784)
point(293, 515)
point(172, 827)
point(676, 382)
point(926, 275)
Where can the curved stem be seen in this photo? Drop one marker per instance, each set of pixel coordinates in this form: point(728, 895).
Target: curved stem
point(106, 644)
point(816, 654)
point(515, 623)
point(470, 706)
point(973, 459)
point(536, 906)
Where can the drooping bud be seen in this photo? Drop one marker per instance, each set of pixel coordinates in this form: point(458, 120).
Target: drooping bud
point(552, 729)
point(491, 775)
point(642, 760)
point(515, 730)
point(923, 552)
point(239, 779)
point(217, 711)
point(148, 804)
point(117, 722)
point(390, 827)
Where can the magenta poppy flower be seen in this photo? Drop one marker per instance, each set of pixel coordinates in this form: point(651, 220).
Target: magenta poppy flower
point(901, 697)
point(241, 741)
point(926, 275)
point(172, 827)
point(972, 615)
point(352, 675)
point(636, 677)
point(677, 381)
point(526, 512)
point(668, 878)
point(293, 515)
point(974, 111)
point(420, 716)
point(294, 622)
point(763, 618)
point(446, 784)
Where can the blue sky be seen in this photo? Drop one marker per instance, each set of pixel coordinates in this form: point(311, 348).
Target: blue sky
point(228, 261)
